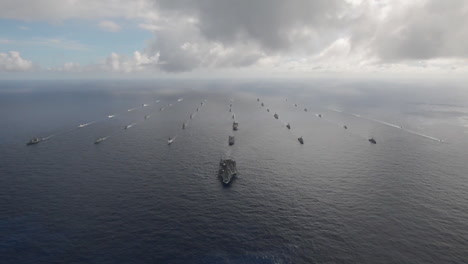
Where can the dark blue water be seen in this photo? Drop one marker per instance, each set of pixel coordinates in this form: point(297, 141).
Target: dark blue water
point(134, 199)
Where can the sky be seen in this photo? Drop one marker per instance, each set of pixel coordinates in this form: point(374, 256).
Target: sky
point(241, 38)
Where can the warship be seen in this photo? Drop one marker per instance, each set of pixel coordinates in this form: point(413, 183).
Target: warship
point(227, 170)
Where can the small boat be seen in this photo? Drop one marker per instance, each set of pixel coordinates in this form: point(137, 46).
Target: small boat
point(230, 110)
point(263, 104)
point(191, 116)
point(276, 115)
point(235, 126)
point(233, 116)
point(128, 126)
point(295, 105)
point(230, 105)
point(305, 109)
point(268, 110)
point(258, 100)
point(319, 115)
point(197, 109)
point(227, 170)
point(83, 125)
point(301, 140)
point(99, 140)
point(288, 126)
point(345, 127)
point(184, 125)
point(157, 101)
point(202, 103)
point(144, 105)
point(372, 140)
point(231, 140)
point(147, 116)
point(111, 116)
point(34, 141)
point(170, 140)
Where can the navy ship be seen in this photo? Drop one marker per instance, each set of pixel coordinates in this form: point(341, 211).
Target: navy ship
point(231, 140)
point(227, 170)
point(301, 140)
point(372, 140)
point(99, 140)
point(34, 141)
point(170, 140)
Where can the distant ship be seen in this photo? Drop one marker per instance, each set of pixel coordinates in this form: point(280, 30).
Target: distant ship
point(258, 100)
point(231, 140)
point(372, 140)
point(170, 140)
point(184, 125)
point(161, 109)
point(191, 116)
point(235, 126)
point(268, 110)
point(34, 141)
point(197, 109)
point(276, 115)
point(263, 104)
point(319, 115)
point(233, 116)
point(230, 105)
point(288, 126)
point(345, 127)
point(128, 126)
point(111, 116)
point(305, 109)
point(301, 140)
point(227, 170)
point(230, 110)
point(295, 105)
point(147, 116)
point(99, 140)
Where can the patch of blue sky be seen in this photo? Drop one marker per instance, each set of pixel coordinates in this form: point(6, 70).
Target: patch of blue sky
point(51, 44)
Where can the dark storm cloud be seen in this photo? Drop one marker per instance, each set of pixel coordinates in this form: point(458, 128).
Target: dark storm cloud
point(269, 22)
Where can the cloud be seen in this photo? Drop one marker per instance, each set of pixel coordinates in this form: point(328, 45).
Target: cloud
point(138, 62)
point(59, 10)
point(13, 61)
point(296, 35)
point(109, 26)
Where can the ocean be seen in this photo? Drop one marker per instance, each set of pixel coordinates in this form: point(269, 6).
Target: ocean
point(135, 199)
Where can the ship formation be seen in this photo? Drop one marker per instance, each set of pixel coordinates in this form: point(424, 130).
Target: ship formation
point(227, 166)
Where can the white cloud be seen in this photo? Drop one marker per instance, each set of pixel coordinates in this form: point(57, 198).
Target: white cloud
point(109, 26)
point(13, 61)
point(121, 63)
